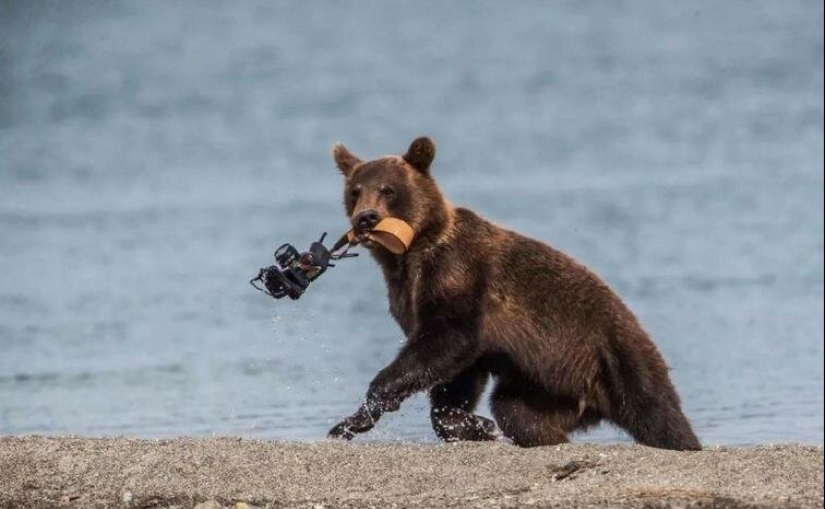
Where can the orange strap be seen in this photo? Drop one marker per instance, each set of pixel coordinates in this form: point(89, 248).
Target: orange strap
point(394, 234)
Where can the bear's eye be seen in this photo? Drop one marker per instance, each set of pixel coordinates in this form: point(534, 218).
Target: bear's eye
point(387, 192)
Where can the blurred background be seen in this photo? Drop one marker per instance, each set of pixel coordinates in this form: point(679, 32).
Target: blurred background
point(153, 154)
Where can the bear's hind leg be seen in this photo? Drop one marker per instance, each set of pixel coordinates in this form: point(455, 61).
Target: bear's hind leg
point(658, 421)
point(453, 404)
point(532, 417)
point(644, 401)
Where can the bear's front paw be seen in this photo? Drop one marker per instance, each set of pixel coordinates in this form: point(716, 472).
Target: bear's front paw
point(359, 422)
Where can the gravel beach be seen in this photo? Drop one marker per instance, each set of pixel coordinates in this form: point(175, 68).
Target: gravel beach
point(225, 472)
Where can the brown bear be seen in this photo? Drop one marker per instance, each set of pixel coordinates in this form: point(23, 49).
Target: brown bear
point(476, 300)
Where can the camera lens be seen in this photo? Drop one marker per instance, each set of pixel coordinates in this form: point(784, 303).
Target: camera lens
point(286, 255)
point(306, 260)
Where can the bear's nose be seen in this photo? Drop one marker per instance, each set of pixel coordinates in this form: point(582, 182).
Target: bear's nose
point(366, 219)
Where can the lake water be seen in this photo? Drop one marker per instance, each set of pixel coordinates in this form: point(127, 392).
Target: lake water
point(152, 155)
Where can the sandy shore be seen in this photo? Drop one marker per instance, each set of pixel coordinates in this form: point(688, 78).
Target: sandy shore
point(210, 473)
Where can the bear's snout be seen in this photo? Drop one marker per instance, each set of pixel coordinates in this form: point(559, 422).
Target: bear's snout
point(366, 220)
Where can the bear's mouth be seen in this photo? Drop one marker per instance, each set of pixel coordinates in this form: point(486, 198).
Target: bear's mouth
point(363, 237)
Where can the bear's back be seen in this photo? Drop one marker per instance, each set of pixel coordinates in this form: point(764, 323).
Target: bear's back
point(528, 282)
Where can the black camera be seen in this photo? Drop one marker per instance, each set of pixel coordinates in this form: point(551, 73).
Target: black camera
point(295, 271)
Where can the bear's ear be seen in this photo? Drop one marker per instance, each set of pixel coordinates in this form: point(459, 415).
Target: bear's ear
point(421, 154)
point(344, 159)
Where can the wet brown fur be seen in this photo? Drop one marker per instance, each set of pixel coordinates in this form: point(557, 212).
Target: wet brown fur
point(476, 300)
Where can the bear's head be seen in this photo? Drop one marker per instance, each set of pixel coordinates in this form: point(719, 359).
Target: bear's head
point(393, 186)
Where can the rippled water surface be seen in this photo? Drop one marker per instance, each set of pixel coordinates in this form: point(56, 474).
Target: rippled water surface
point(152, 154)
